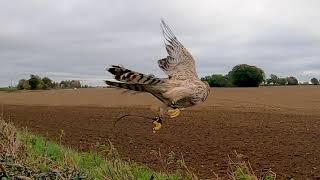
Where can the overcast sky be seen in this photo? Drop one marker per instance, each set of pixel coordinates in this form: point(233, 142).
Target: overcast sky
point(77, 39)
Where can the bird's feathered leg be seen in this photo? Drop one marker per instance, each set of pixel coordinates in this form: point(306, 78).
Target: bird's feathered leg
point(177, 95)
point(172, 113)
point(158, 119)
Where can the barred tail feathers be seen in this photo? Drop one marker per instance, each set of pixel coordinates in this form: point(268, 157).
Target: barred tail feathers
point(134, 87)
point(125, 75)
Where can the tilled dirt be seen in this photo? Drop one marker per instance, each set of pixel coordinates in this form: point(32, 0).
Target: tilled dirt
point(273, 128)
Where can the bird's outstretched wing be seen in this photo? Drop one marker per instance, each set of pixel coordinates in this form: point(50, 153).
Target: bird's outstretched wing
point(179, 64)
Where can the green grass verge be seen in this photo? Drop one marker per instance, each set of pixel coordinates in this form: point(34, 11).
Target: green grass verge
point(90, 165)
point(29, 155)
point(25, 155)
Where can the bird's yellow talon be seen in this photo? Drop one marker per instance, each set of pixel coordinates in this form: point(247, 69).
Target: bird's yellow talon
point(174, 112)
point(157, 126)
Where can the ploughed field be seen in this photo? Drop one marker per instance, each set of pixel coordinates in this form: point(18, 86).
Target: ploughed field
point(275, 128)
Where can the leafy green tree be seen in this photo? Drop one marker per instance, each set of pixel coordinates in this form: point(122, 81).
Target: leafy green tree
point(75, 84)
point(47, 83)
point(282, 81)
point(63, 84)
point(34, 81)
point(217, 80)
point(70, 84)
point(292, 80)
point(274, 79)
point(23, 84)
point(244, 75)
point(20, 84)
point(269, 81)
point(41, 85)
point(55, 85)
point(315, 81)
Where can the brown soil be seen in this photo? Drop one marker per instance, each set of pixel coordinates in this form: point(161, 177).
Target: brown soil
point(273, 127)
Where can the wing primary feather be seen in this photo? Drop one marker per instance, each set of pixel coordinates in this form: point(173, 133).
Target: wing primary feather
point(167, 33)
point(167, 30)
point(170, 40)
point(179, 63)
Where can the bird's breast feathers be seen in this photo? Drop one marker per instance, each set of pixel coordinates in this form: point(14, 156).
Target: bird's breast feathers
point(186, 93)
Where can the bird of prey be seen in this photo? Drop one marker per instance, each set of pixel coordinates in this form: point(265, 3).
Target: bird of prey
point(182, 88)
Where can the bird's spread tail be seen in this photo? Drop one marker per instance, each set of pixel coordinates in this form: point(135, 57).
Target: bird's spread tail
point(134, 87)
point(127, 76)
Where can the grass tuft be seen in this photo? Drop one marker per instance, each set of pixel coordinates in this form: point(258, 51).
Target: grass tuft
point(242, 170)
point(24, 155)
point(28, 155)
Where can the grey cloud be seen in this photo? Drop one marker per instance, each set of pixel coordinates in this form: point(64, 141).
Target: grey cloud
point(77, 39)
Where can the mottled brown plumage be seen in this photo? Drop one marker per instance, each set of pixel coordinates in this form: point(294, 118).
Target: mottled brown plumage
point(181, 89)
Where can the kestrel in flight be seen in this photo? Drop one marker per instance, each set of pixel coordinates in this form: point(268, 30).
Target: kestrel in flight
point(181, 89)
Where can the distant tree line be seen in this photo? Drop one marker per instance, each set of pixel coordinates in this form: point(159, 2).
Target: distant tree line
point(281, 81)
point(244, 75)
point(35, 82)
point(275, 80)
point(241, 75)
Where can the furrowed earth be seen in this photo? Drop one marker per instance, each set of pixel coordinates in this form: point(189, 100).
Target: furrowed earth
point(275, 128)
